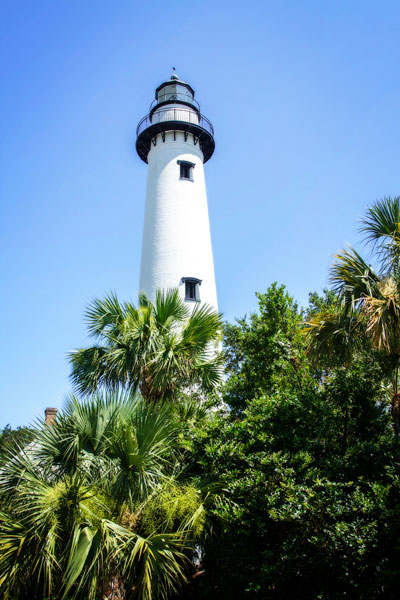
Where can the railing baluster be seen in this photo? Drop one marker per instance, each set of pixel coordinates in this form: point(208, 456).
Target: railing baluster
point(181, 114)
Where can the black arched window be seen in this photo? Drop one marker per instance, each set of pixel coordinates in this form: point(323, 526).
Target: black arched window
point(192, 288)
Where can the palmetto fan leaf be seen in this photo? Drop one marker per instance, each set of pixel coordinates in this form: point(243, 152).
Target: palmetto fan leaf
point(110, 436)
point(105, 316)
point(158, 561)
point(203, 326)
point(369, 301)
point(367, 298)
point(169, 309)
point(160, 347)
point(381, 227)
point(92, 368)
point(40, 516)
point(15, 537)
point(383, 316)
point(85, 426)
point(209, 372)
point(352, 278)
point(156, 564)
point(142, 447)
point(333, 336)
point(72, 500)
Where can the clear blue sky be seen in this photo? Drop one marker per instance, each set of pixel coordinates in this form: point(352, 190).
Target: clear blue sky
point(304, 98)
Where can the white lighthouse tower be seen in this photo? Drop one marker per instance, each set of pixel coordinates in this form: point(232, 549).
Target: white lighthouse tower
point(176, 140)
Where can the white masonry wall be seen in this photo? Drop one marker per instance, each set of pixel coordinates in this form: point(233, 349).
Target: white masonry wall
point(176, 236)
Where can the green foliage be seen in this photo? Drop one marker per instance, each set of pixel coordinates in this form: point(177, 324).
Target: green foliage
point(172, 505)
point(290, 488)
point(12, 440)
point(318, 303)
point(265, 351)
point(161, 348)
point(381, 227)
point(307, 459)
point(367, 313)
point(97, 493)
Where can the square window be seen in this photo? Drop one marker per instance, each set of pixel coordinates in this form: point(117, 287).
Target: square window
point(192, 288)
point(186, 170)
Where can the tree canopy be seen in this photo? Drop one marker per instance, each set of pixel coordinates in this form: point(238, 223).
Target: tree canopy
point(279, 480)
point(160, 349)
point(98, 493)
point(307, 458)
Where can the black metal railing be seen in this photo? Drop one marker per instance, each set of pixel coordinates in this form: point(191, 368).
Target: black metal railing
point(181, 114)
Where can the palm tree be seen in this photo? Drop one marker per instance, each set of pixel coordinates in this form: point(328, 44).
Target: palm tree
point(158, 348)
point(367, 313)
point(84, 499)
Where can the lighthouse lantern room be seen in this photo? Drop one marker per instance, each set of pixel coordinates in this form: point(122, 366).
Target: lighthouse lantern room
point(175, 139)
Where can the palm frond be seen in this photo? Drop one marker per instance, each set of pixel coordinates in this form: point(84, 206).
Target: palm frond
point(91, 369)
point(104, 316)
point(352, 278)
point(160, 347)
point(157, 563)
point(143, 446)
point(169, 308)
point(381, 227)
point(66, 498)
point(80, 545)
point(84, 429)
point(204, 326)
point(14, 538)
point(333, 336)
point(383, 315)
point(208, 371)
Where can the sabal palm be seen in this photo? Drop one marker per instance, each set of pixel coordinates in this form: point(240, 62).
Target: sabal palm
point(160, 348)
point(72, 503)
point(368, 308)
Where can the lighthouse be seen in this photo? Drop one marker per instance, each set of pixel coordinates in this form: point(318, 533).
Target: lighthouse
point(176, 140)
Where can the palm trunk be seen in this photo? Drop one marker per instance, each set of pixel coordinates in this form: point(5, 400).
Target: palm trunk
point(146, 389)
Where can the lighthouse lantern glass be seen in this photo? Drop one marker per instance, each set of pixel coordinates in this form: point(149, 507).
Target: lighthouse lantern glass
point(173, 92)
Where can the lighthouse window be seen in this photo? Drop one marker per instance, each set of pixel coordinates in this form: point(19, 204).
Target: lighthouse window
point(186, 170)
point(192, 291)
